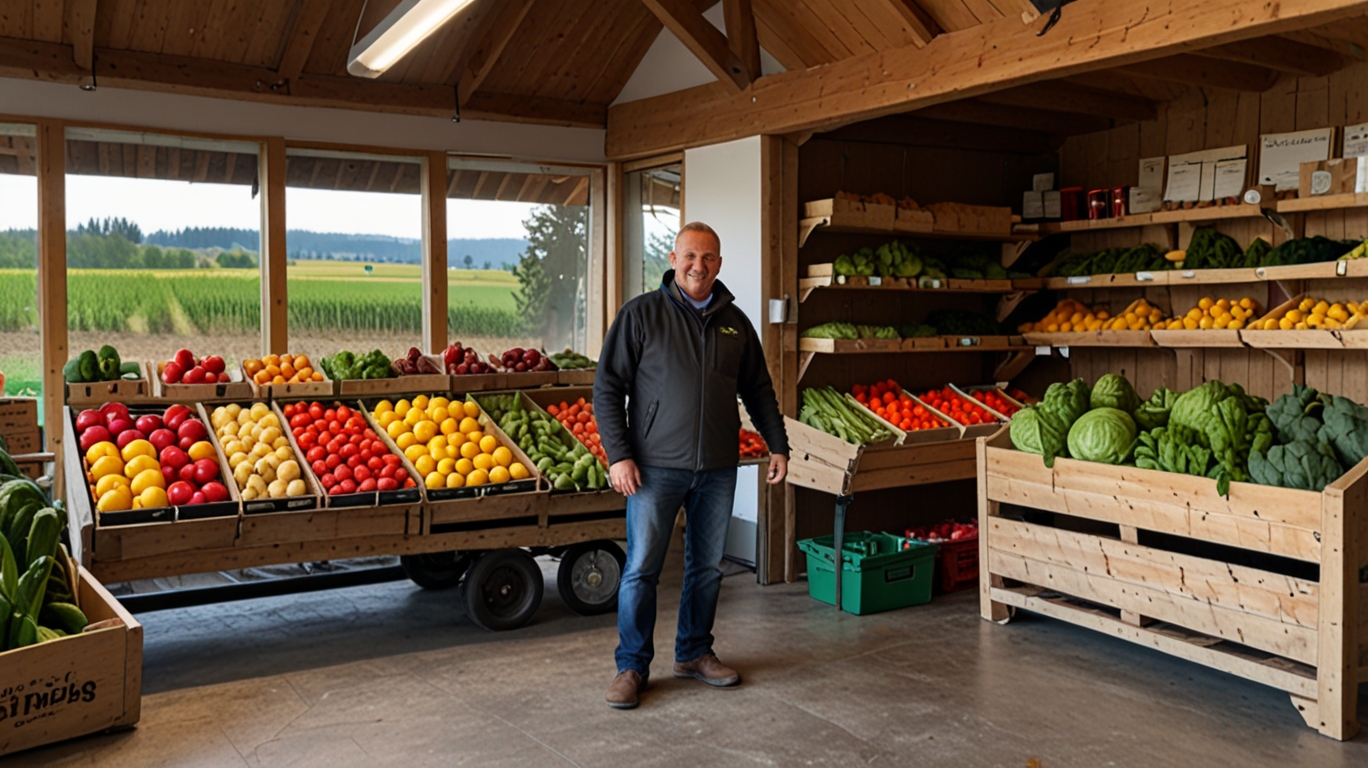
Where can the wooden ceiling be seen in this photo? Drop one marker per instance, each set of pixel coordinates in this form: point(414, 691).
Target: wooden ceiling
point(563, 62)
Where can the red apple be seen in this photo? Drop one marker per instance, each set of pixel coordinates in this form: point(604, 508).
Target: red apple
point(206, 470)
point(148, 423)
point(93, 435)
point(172, 373)
point(193, 429)
point(169, 474)
point(180, 493)
point(111, 411)
point(87, 419)
point(119, 425)
point(184, 358)
point(213, 364)
point(175, 415)
point(198, 497)
point(172, 456)
point(186, 473)
point(195, 375)
point(160, 438)
point(127, 436)
point(215, 491)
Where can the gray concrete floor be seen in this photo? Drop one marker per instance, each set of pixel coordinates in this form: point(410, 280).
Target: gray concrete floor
point(391, 675)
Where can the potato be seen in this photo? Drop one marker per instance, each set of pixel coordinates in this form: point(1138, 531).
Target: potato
point(234, 446)
point(261, 450)
point(259, 411)
point(234, 459)
point(219, 417)
point(233, 409)
point(264, 470)
point(283, 452)
point(248, 494)
point(244, 417)
point(296, 488)
point(241, 473)
point(288, 470)
point(269, 420)
point(256, 482)
point(269, 435)
point(277, 488)
point(281, 442)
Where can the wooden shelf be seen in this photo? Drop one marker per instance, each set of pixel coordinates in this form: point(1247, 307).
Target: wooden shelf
point(1326, 270)
point(1323, 203)
point(834, 223)
point(807, 285)
point(1190, 216)
point(1091, 339)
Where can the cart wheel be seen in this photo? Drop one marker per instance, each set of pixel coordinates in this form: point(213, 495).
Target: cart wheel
point(435, 570)
point(503, 589)
point(589, 577)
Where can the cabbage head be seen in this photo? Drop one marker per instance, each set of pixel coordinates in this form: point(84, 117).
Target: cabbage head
point(1034, 431)
point(1113, 391)
point(1104, 435)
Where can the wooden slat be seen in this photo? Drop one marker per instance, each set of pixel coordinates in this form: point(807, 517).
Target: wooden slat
point(1027, 118)
point(741, 38)
point(951, 15)
point(52, 285)
point(1205, 73)
point(1000, 54)
point(783, 32)
point(1338, 665)
point(1063, 96)
point(702, 39)
point(81, 27)
point(308, 20)
point(274, 321)
point(1289, 640)
point(435, 287)
point(920, 26)
point(1280, 54)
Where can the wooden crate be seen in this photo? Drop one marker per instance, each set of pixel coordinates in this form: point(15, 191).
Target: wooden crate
point(23, 441)
point(100, 392)
point(583, 377)
point(827, 463)
point(1270, 624)
point(1294, 339)
point(18, 414)
point(75, 685)
point(237, 388)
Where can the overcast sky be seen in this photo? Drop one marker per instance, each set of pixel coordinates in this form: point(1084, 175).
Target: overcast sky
point(170, 205)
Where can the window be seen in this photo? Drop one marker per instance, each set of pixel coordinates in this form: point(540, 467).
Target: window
point(354, 249)
point(20, 348)
point(163, 236)
point(651, 219)
point(518, 255)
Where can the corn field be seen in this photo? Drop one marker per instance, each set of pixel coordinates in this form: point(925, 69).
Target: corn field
point(212, 301)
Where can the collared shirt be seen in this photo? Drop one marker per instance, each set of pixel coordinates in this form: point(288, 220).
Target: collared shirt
point(697, 304)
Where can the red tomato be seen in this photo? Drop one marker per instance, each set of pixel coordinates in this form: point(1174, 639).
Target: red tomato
point(368, 485)
point(327, 479)
point(320, 468)
point(409, 483)
point(343, 412)
point(387, 484)
point(361, 473)
point(316, 453)
point(316, 411)
point(347, 486)
point(342, 473)
point(388, 470)
point(333, 461)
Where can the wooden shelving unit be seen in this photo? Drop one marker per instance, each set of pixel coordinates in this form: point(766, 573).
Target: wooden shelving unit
point(850, 225)
point(1187, 216)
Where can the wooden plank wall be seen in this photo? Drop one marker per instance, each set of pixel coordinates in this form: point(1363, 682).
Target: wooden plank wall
point(1218, 118)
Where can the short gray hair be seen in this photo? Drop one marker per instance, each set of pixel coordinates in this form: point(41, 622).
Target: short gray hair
point(698, 226)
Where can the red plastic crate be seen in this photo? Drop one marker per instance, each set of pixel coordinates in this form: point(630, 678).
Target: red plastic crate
point(957, 565)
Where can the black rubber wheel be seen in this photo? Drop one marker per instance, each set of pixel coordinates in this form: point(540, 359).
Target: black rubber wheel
point(589, 576)
point(435, 570)
point(503, 589)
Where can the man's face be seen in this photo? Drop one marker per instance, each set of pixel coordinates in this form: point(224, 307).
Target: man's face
point(696, 260)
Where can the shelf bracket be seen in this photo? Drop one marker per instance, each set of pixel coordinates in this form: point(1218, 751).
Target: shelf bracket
point(1015, 363)
point(804, 360)
point(806, 227)
point(1288, 358)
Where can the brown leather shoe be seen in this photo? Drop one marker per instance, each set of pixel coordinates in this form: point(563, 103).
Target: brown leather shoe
point(622, 694)
point(708, 669)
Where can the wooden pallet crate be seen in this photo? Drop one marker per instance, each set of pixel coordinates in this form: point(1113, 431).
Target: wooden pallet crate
point(75, 685)
point(827, 463)
point(1274, 623)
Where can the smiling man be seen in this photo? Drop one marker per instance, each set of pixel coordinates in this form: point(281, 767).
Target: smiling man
point(672, 366)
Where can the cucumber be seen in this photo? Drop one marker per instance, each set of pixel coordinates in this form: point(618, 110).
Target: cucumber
point(64, 616)
point(42, 535)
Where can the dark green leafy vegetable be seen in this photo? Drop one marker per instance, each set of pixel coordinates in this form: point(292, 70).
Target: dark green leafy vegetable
point(963, 322)
point(1308, 465)
point(1173, 449)
point(1345, 429)
point(1210, 249)
point(1154, 412)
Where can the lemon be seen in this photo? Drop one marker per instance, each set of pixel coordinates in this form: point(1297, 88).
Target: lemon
point(138, 448)
point(456, 440)
point(108, 465)
point(405, 440)
point(498, 475)
point(434, 480)
point(415, 451)
point(517, 471)
point(471, 409)
point(117, 499)
point(437, 452)
point(488, 443)
point(152, 497)
point(138, 464)
point(470, 450)
point(439, 441)
point(468, 425)
point(147, 478)
point(502, 456)
point(402, 407)
point(421, 402)
point(414, 417)
point(477, 477)
point(438, 414)
point(201, 450)
point(100, 450)
point(475, 437)
point(395, 429)
point(438, 402)
point(484, 461)
point(451, 427)
point(384, 406)
point(424, 430)
point(424, 464)
point(386, 419)
point(455, 480)
point(465, 466)
point(109, 481)
point(446, 466)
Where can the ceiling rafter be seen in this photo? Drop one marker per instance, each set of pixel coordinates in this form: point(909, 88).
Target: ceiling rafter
point(1063, 96)
point(1192, 69)
point(304, 25)
point(741, 35)
point(702, 39)
point(1280, 54)
point(919, 23)
point(491, 38)
point(81, 29)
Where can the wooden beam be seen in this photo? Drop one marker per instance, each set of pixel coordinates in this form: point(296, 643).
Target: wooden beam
point(305, 25)
point(81, 29)
point(600, 237)
point(1027, 118)
point(1061, 96)
point(435, 287)
point(703, 39)
point(1191, 69)
point(275, 332)
point(1024, 9)
point(492, 37)
point(916, 131)
point(52, 286)
point(1091, 35)
point(741, 37)
point(1280, 54)
point(919, 23)
point(179, 74)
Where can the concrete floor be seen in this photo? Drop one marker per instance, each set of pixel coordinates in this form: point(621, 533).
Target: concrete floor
point(391, 675)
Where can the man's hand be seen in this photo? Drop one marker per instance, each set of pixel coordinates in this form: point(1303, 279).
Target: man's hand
point(625, 477)
point(778, 468)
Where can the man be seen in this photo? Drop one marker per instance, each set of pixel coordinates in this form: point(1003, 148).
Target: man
point(665, 393)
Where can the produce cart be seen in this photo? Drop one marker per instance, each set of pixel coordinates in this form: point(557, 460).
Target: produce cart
point(482, 542)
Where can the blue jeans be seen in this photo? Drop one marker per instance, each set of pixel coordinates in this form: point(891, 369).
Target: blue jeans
point(707, 501)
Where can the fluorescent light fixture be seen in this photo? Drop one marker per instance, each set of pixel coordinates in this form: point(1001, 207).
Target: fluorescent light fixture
point(410, 23)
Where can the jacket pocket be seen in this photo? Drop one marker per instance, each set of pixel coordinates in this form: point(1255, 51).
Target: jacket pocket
point(727, 350)
point(649, 419)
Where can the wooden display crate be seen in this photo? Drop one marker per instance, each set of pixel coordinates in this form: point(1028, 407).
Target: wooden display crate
point(304, 389)
point(18, 414)
point(1092, 339)
point(854, 213)
point(580, 377)
point(100, 392)
point(1273, 622)
point(1293, 339)
point(400, 497)
point(913, 220)
point(75, 685)
point(237, 388)
point(258, 505)
point(848, 346)
point(478, 382)
point(1186, 339)
point(23, 441)
point(827, 463)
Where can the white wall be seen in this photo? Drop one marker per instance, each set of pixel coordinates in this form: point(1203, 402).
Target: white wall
point(722, 188)
point(149, 109)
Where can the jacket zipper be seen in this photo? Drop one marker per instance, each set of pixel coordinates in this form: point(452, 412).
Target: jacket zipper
point(702, 392)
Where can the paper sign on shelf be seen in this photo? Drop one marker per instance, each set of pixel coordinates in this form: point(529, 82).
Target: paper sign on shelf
point(1184, 182)
point(1146, 196)
point(1356, 145)
point(1032, 205)
point(1281, 155)
point(1042, 182)
point(1195, 173)
point(1230, 178)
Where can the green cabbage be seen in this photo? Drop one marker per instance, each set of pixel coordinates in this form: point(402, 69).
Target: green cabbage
point(1104, 435)
point(1113, 391)
point(1035, 431)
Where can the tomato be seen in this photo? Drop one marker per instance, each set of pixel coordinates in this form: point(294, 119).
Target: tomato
point(367, 486)
point(316, 453)
point(347, 486)
point(319, 468)
point(388, 471)
point(386, 484)
point(409, 483)
point(343, 412)
point(343, 472)
point(361, 473)
point(328, 480)
point(333, 461)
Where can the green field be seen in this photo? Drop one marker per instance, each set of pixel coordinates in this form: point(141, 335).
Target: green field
point(323, 295)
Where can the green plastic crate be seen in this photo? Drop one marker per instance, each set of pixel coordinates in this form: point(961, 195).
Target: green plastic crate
point(879, 574)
